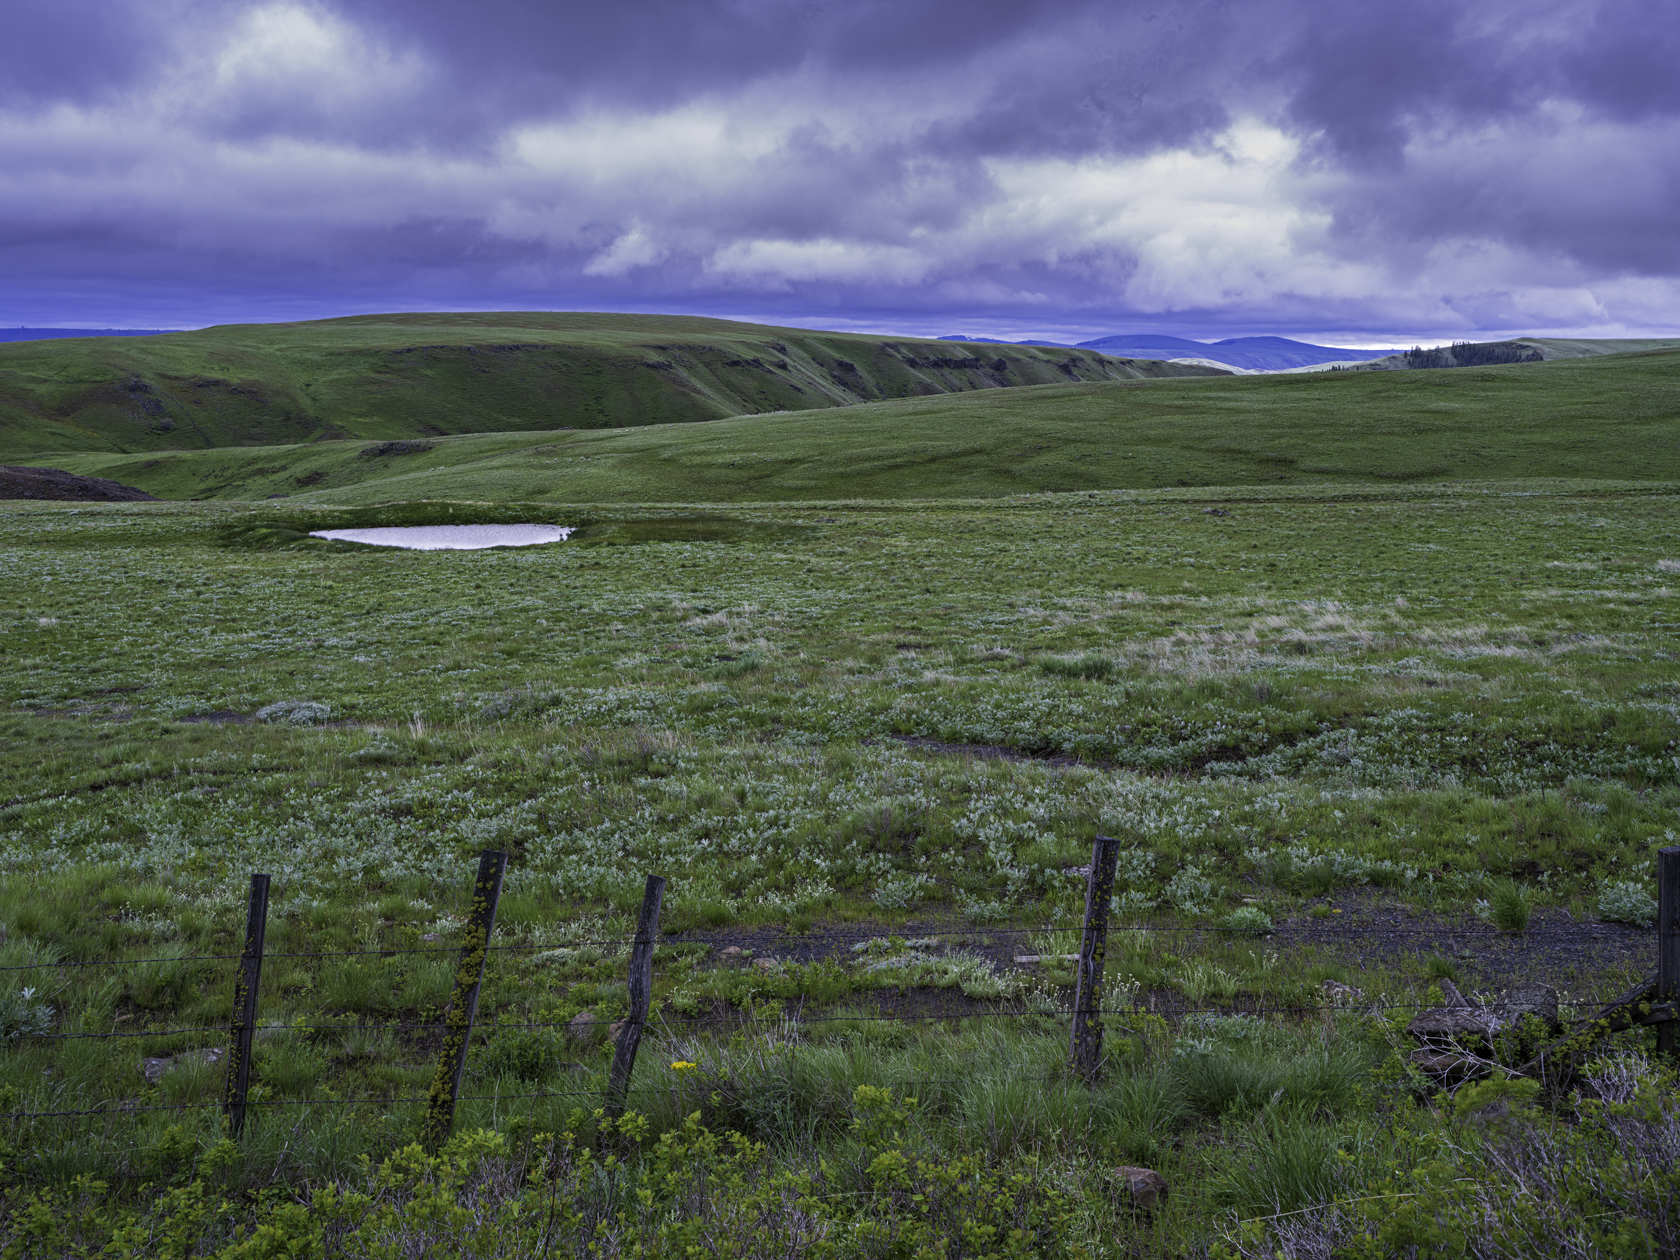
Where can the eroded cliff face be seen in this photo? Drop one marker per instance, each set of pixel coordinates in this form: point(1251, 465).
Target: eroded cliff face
point(257, 386)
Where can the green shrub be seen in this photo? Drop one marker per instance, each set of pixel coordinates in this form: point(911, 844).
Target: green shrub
point(24, 1014)
point(1626, 901)
point(1248, 921)
point(1192, 891)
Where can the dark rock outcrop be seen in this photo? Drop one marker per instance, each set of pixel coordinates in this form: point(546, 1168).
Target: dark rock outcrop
point(54, 483)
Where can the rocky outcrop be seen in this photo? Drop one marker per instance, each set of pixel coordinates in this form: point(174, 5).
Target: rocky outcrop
point(53, 483)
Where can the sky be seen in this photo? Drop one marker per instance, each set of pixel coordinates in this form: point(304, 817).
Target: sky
point(1339, 170)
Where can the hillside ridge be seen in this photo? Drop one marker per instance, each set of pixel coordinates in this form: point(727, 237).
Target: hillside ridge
point(1605, 417)
point(416, 375)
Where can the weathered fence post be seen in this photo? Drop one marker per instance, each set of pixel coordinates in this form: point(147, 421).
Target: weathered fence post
point(641, 992)
point(463, 1000)
point(1668, 941)
point(244, 1023)
point(1086, 1054)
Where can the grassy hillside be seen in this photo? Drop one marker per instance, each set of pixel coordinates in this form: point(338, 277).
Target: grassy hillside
point(1579, 347)
point(407, 376)
point(1609, 417)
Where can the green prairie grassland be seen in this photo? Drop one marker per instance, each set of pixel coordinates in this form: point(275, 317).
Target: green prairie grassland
point(407, 376)
point(1613, 417)
point(1305, 705)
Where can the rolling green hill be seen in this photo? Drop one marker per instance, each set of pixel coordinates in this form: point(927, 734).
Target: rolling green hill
point(1614, 417)
point(409, 376)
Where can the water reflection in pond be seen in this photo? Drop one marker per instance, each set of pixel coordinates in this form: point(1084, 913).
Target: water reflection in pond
point(449, 537)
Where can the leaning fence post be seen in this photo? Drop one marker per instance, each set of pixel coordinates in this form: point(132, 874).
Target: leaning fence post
point(1668, 941)
point(1086, 1051)
point(463, 1000)
point(641, 992)
point(244, 1022)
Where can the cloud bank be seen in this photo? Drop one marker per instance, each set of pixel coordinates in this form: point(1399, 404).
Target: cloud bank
point(1408, 169)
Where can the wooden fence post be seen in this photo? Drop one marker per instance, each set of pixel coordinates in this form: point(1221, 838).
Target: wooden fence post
point(463, 1000)
point(641, 993)
point(1086, 1053)
point(244, 1023)
point(1668, 941)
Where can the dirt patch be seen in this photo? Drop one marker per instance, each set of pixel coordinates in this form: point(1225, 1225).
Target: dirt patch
point(1583, 959)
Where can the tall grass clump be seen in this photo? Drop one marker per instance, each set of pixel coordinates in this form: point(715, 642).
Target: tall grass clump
point(1508, 906)
point(1087, 665)
point(1285, 1163)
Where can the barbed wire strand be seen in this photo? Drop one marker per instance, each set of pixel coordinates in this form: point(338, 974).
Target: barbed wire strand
point(665, 1021)
point(1288, 934)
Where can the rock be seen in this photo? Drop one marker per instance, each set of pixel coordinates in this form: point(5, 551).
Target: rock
point(1143, 1189)
point(1538, 1000)
point(733, 951)
point(616, 1027)
point(583, 1027)
point(1446, 1066)
point(1339, 994)
point(155, 1069)
point(768, 964)
point(1455, 1021)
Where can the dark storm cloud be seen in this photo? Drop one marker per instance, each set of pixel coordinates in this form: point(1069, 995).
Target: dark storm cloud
point(1315, 163)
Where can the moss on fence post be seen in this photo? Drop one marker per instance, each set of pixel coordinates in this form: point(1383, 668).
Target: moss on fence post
point(463, 1001)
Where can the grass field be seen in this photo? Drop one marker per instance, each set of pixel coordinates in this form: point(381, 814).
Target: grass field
point(392, 377)
point(1385, 708)
point(1373, 674)
point(1610, 417)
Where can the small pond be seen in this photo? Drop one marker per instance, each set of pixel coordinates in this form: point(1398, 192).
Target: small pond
point(449, 537)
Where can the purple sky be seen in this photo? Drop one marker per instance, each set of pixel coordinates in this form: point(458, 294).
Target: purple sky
point(1356, 172)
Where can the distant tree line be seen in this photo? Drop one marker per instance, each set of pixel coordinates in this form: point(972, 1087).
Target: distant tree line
point(1472, 354)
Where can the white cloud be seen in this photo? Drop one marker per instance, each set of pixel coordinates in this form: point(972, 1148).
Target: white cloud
point(634, 249)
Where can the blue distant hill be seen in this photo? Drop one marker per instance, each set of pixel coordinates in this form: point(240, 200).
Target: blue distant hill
point(1257, 354)
point(51, 334)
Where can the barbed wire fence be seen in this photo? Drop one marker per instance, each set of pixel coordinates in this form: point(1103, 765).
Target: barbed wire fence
point(1654, 1002)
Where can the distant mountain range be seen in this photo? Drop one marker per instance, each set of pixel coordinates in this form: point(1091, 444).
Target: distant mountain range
point(1255, 354)
point(51, 334)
